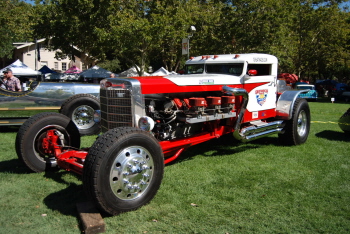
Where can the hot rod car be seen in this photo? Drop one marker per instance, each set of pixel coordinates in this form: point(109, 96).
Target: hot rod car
point(149, 121)
point(78, 101)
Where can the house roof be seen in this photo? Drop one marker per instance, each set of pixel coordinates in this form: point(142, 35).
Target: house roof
point(20, 45)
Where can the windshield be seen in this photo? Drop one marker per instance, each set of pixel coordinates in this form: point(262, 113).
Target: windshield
point(232, 69)
point(194, 69)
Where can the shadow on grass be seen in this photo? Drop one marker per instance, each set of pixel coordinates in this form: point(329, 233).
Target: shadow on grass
point(333, 135)
point(225, 145)
point(14, 166)
point(65, 200)
point(9, 128)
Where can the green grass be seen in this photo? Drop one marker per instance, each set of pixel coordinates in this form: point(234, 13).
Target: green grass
point(258, 187)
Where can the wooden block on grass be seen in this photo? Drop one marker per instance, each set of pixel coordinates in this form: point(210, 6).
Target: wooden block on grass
point(91, 219)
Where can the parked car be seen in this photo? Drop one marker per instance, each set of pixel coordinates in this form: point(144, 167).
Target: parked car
point(78, 101)
point(311, 95)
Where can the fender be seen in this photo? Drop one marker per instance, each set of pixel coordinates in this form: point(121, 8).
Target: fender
point(285, 103)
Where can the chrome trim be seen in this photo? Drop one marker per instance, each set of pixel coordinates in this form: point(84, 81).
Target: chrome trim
point(252, 132)
point(285, 103)
point(255, 132)
point(238, 92)
point(43, 96)
point(137, 99)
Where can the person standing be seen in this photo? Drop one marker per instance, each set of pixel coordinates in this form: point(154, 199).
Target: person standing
point(11, 82)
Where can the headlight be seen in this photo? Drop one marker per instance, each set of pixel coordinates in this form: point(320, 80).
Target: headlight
point(146, 123)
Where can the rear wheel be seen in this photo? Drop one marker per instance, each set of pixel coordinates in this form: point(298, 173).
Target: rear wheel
point(80, 108)
point(123, 170)
point(29, 139)
point(296, 130)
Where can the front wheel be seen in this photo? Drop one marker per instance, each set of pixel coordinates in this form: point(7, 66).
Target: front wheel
point(123, 170)
point(296, 130)
point(29, 139)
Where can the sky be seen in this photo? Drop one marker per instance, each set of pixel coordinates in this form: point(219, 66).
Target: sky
point(347, 3)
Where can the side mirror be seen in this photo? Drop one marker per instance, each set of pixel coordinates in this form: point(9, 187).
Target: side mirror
point(252, 72)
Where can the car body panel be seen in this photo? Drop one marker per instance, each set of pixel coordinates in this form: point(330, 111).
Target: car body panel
point(15, 107)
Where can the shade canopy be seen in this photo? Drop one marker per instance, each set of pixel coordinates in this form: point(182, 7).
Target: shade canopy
point(95, 72)
point(131, 72)
point(160, 72)
point(45, 69)
point(20, 69)
point(73, 70)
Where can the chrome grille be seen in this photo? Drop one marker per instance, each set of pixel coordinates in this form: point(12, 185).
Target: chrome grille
point(116, 108)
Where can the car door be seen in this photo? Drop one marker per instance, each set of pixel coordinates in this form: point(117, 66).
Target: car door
point(260, 83)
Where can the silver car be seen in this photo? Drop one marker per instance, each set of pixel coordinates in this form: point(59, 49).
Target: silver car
point(78, 101)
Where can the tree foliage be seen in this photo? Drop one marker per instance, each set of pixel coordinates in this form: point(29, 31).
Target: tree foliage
point(310, 38)
point(16, 19)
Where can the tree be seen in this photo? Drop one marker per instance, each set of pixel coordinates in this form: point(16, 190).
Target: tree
point(81, 23)
point(309, 37)
point(16, 22)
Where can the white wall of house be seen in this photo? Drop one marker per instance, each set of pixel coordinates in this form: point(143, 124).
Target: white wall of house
point(26, 52)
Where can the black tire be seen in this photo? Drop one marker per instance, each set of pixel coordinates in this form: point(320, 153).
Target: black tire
point(296, 130)
point(344, 122)
point(29, 139)
point(80, 108)
point(123, 170)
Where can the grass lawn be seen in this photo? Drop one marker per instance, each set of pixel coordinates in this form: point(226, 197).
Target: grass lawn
point(221, 186)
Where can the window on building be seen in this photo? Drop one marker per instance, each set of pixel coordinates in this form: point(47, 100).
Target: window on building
point(64, 66)
point(43, 63)
point(56, 65)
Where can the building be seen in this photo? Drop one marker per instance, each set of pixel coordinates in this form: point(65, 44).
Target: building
point(27, 53)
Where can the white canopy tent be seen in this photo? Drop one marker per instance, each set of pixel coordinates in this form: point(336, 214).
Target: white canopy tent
point(20, 69)
point(131, 72)
point(161, 72)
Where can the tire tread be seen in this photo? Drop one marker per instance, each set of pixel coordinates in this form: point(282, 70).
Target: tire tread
point(94, 159)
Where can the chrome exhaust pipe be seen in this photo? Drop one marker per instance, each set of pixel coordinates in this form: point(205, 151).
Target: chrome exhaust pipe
point(252, 132)
point(255, 132)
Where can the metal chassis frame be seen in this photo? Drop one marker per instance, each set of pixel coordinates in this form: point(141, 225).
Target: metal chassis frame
point(73, 160)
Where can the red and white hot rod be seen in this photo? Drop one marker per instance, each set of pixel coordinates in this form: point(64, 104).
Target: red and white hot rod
point(149, 121)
